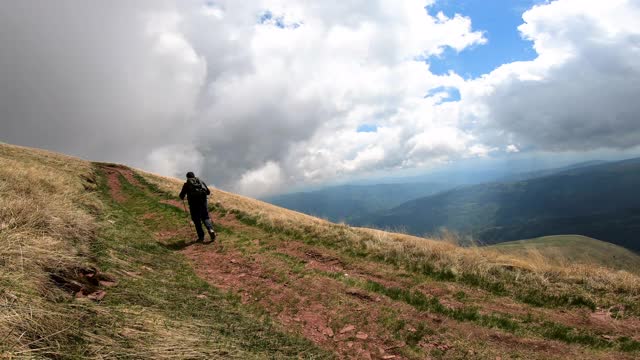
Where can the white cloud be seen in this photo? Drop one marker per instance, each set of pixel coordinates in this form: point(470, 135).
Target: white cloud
point(511, 148)
point(261, 181)
point(182, 85)
point(580, 93)
point(175, 159)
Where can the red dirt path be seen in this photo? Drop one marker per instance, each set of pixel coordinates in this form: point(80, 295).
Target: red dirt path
point(113, 181)
point(345, 320)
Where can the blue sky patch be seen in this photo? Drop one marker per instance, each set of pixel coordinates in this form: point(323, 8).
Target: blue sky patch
point(268, 18)
point(367, 128)
point(452, 93)
point(499, 20)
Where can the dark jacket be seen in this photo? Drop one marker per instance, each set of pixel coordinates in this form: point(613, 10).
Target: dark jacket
point(192, 196)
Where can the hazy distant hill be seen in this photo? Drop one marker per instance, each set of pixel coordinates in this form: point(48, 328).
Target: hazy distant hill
point(568, 249)
point(546, 172)
point(345, 202)
point(601, 201)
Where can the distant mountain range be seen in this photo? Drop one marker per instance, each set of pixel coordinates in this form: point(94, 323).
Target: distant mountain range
point(346, 202)
point(358, 200)
point(546, 172)
point(600, 200)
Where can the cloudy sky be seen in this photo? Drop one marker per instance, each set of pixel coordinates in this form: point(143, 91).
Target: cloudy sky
point(259, 96)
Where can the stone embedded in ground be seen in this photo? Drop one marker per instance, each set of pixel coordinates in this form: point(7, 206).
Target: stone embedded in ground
point(362, 336)
point(328, 332)
point(347, 328)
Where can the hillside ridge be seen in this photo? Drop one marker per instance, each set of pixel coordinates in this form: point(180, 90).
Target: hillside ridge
point(598, 201)
point(565, 249)
point(280, 284)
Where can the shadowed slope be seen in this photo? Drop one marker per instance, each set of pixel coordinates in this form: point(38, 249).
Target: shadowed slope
point(599, 201)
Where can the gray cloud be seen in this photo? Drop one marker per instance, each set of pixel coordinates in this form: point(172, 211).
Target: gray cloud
point(89, 78)
point(588, 101)
point(175, 86)
point(194, 85)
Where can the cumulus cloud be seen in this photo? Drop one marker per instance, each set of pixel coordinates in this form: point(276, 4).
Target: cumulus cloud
point(260, 95)
point(267, 179)
point(175, 160)
point(581, 92)
point(236, 89)
point(511, 148)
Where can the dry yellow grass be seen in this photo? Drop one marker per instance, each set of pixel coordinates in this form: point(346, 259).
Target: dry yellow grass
point(43, 228)
point(233, 201)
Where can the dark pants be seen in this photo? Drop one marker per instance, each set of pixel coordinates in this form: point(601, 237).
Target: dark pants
point(200, 214)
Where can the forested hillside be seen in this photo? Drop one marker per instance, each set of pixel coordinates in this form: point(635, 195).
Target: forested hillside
point(600, 201)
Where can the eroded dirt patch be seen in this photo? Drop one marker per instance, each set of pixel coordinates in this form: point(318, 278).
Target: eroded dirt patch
point(115, 187)
point(82, 282)
point(113, 181)
point(350, 321)
point(177, 203)
point(314, 306)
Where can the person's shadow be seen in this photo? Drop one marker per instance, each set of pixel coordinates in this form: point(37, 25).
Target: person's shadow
point(182, 244)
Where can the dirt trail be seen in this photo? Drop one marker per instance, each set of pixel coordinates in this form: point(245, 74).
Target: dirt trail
point(113, 181)
point(349, 321)
point(324, 310)
point(294, 283)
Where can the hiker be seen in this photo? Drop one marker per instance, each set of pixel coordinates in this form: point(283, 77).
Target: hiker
point(196, 192)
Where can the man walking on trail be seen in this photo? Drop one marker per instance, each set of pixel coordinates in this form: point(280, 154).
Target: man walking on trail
point(196, 192)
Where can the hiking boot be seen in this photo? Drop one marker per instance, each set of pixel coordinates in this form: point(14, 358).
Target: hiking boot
point(213, 234)
point(199, 240)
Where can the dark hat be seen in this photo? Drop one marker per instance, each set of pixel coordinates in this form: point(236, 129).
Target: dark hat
point(190, 175)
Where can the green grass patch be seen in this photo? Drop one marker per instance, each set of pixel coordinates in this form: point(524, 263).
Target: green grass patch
point(546, 329)
point(538, 297)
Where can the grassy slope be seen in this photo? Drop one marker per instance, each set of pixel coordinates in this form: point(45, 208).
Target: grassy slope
point(285, 285)
point(433, 294)
point(158, 309)
point(566, 249)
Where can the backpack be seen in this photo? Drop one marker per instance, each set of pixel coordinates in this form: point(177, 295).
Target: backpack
point(197, 187)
